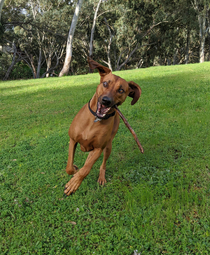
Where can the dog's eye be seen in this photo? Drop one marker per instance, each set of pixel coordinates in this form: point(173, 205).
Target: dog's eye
point(105, 84)
point(121, 91)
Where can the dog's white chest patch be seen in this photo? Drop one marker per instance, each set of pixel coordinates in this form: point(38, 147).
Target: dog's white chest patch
point(97, 119)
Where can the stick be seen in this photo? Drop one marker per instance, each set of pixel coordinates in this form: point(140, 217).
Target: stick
point(131, 130)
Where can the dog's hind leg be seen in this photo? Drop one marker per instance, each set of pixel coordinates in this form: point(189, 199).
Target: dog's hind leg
point(70, 168)
point(107, 151)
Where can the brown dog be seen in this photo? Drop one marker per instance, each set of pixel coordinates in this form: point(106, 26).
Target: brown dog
point(96, 124)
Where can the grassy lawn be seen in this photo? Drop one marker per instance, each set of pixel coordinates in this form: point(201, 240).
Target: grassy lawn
point(157, 202)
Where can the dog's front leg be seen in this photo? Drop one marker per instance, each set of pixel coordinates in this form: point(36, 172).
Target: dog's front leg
point(77, 179)
point(70, 168)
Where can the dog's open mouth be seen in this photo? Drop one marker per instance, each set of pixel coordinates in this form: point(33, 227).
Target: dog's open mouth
point(102, 110)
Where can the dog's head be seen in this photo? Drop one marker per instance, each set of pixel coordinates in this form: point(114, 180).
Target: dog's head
point(112, 89)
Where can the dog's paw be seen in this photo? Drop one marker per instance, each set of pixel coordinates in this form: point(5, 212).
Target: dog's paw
point(72, 185)
point(101, 180)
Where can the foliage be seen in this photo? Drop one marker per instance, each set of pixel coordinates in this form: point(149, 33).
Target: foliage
point(135, 34)
point(156, 203)
point(5, 60)
point(21, 71)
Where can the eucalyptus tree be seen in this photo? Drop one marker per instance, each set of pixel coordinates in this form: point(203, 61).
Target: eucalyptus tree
point(84, 29)
point(202, 8)
point(121, 34)
point(138, 21)
point(68, 57)
point(106, 8)
point(47, 16)
point(1, 6)
point(177, 38)
point(39, 29)
point(208, 35)
point(93, 29)
point(108, 47)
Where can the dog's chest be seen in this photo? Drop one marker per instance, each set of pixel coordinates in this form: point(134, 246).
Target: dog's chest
point(92, 137)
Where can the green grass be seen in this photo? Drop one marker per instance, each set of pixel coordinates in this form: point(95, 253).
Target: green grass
point(157, 202)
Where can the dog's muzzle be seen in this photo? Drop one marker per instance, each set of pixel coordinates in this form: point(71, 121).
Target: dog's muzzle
point(103, 106)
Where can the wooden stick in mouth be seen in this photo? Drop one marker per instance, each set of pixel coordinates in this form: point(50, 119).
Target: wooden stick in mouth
point(131, 130)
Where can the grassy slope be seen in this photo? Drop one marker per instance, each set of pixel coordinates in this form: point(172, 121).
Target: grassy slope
point(156, 203)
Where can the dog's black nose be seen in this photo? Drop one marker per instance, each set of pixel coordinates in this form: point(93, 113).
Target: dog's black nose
point(106, 101)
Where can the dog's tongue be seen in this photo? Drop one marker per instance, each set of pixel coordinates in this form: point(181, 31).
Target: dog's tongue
point(102, 110)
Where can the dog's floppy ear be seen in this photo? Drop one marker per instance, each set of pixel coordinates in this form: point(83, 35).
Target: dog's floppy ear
point(135, 92)
point(101, 69)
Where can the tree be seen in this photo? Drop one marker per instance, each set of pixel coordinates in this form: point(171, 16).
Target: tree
point(202, 7)
point(134, 29)
point(38, 28)
point(68, 57)
point(93, 29)
point(1, 6)
point(14, 49)
point(108, 48)
point(123, 34)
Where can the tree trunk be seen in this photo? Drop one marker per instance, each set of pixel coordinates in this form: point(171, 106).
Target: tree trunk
point(12, 64)
point(49, 61)
point(208, 34)
point(31, 59)
point(140, 63)
point(202, 52)
point(1, 6)
point(128, 58)
point(209, 44)
point(175, 57)
point(68, 57)
point(109, 45)
point(21, 56)
point(49, 70)
point(39, 63)
point(202, 35)
point(92, 32)
point(187, 46)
